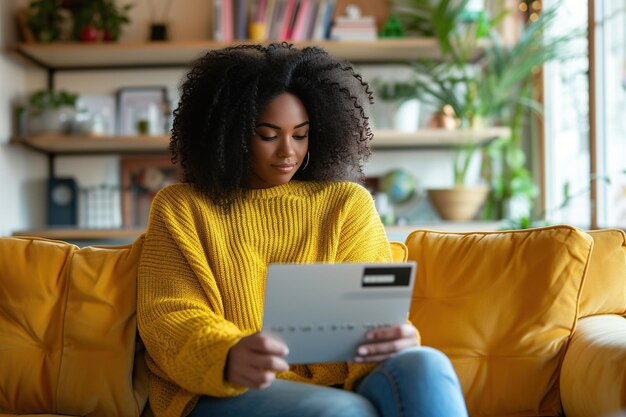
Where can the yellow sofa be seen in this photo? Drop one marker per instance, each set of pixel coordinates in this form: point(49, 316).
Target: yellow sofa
point(531, 319)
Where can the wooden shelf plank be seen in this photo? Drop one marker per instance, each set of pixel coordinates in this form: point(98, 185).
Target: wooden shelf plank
point(77, 55)
point(383, 139)
point(436, 138)
point(76, 144)
point(81, 234)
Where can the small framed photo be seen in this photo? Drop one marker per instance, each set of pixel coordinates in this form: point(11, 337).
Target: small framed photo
point(100, 109)
point(142, 177)
point(142, 111)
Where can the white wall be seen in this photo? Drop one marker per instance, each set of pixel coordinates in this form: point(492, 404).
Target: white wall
point(22, 172)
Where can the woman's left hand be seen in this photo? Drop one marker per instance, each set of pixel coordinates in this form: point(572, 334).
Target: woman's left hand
point(383, 342)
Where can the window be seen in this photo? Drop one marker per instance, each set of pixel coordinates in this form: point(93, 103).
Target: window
point(566, 124)
point(610, 102)
point(586, 135)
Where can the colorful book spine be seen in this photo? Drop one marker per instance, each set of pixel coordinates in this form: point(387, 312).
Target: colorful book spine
point(241, 21)
point(328, 18)
point(276, 20)
point(227, 20)
point(315, 5)
point(217, 20)
point(302, 18)
point(287, 17)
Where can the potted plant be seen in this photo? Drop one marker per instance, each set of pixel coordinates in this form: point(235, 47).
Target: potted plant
point(44, 19)
point(51, 112)
point(396, 106)
point(95, 20)
point(85, 20)
point(496, 88)
point(112, 18)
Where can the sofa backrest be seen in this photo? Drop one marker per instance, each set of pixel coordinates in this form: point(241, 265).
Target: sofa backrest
point(68, 332)
point(604, 291)
point(502, 306)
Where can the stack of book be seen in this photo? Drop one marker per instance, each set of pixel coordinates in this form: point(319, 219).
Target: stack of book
point(361, 28)
point(282, 20)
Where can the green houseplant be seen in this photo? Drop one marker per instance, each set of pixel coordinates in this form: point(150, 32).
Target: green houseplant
point(44, 18)
point(493, 88)
point(51, 111)
point(95, 20)
point(112, 18)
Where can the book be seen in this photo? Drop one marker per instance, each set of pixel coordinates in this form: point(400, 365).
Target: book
point(315, 5)
point(286, 21)
point(227, 20)
point(354, 28)
point(218, 33)
point(362, 20)
point(318, 25)
point(300, 27)
point(268, 16)
point(241, 19)
point(328, 18)
point(275, 26)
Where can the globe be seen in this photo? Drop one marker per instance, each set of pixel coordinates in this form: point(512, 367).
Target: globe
point(398, 184)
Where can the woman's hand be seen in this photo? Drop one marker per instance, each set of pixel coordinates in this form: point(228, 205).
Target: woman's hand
point(254, 361)
point(383, 342)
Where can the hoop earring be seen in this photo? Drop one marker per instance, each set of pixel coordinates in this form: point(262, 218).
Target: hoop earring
point(308, 156)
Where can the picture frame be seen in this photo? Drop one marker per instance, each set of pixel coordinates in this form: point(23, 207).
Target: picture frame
point(141, 179)
point(142, 111)
point(101, 109)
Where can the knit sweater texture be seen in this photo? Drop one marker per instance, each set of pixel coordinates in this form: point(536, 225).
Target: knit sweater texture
point(202, 276)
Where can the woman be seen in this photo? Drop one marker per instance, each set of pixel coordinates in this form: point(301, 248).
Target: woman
point(271, 141)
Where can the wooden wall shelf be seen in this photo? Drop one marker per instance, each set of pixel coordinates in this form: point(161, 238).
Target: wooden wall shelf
point(77, 55)
point(69, 56)
point(59, 144)
point(436, 138)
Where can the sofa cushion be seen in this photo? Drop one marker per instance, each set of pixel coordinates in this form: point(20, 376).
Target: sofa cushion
point(33, 296)
point(68, 331)
point(593, 376)
point(604, 291)
point(502, 306)
point(399, 251)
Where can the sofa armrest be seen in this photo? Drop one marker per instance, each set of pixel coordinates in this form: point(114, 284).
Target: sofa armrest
point(593, 374)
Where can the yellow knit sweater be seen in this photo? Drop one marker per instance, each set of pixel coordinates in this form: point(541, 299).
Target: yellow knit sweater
point(202, 276)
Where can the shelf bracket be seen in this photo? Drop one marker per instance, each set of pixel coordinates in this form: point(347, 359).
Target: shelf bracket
point(51, 166)
point(51, 73)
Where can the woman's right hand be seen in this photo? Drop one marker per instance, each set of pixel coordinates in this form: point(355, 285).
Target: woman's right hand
point(254, 361)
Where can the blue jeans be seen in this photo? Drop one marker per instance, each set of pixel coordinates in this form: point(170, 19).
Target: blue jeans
point(418, 382)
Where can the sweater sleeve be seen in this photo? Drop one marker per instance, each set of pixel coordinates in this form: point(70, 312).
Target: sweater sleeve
point(179, 308)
